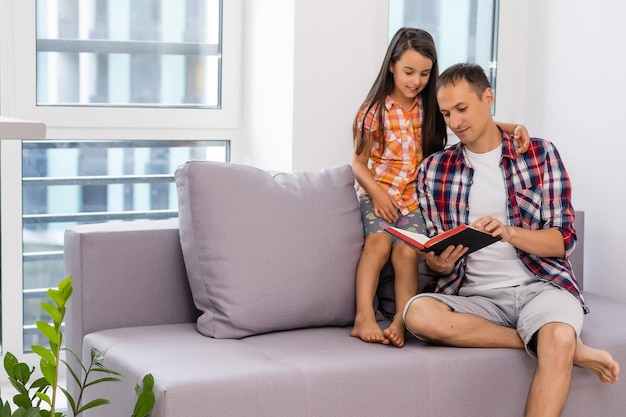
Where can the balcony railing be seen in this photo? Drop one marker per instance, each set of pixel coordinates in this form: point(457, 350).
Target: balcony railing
point(68, 183)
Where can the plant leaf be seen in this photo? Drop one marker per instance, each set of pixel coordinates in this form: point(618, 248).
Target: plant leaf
point(9, 364)
point(106, 371)
point(56, 296)
point(91, 404)
point(66, 289)
point(44, 353)
point(22, 400)
point(27, 412)
point(48, 331)
point(148, 382)
point(44, 397)
point(72, 372)
point(69, 398)
point(96, 356)
point(98, 381)
point(5, 409)
point(144, 404)
point(40, 383)
point(53, 312)
point(75, 356)
point(145, 397)
point(48, 370)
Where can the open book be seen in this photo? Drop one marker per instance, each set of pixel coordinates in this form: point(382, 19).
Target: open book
point(468, 236)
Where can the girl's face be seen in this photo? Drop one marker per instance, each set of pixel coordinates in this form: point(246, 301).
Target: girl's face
point(410, 76)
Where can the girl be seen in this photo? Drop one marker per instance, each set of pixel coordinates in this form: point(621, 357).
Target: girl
point(397, 125)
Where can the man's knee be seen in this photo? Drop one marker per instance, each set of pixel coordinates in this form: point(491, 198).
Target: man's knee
point(421, 313)
point(560, 337)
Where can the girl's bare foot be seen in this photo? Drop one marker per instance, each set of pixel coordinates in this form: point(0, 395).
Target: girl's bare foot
point(396, 331)
point(600, 362)
point(368, 330)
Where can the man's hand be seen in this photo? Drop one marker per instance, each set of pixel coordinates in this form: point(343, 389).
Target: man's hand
point(494, 227)
point(443, 263)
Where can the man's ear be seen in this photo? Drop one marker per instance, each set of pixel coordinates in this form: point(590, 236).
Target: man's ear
point(488, 96)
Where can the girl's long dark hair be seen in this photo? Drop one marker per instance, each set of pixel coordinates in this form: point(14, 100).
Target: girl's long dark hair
point(434, 134)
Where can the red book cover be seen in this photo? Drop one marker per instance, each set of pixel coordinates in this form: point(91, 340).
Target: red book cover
point(472, 238)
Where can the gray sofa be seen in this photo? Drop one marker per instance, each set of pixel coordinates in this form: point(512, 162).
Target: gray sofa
point(242, 307)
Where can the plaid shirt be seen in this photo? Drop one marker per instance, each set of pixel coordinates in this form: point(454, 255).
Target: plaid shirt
point(538, 189)
point(396, 150)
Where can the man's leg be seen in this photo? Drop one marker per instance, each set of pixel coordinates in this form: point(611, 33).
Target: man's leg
point(598, 361)
point(435, 321)
point(556, 344)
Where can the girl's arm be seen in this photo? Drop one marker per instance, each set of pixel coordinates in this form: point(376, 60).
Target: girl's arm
point(384, 205)
point(520, 134)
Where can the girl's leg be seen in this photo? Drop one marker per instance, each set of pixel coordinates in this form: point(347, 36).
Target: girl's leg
point(404, 260)
point(375, 254)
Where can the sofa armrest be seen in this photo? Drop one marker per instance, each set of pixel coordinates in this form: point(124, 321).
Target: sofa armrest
point(577, 259)
point(125, 274)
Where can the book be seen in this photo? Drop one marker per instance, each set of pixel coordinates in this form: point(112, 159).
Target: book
point(468, 236)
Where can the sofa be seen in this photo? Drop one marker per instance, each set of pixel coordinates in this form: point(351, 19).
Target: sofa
point(243, 307)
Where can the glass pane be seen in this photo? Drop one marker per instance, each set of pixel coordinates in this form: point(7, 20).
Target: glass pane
point(156, 53)
point(464, 30)
point(74, 182)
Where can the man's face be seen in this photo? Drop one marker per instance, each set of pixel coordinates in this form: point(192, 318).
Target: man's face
point(467, 114)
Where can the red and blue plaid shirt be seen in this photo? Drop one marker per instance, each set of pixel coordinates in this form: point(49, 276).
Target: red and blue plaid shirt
point(538, 190)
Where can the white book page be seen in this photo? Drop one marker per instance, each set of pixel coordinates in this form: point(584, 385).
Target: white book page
point(415, 236)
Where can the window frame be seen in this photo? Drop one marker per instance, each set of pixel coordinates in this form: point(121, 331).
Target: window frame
point(18, 100)
point(23, 103)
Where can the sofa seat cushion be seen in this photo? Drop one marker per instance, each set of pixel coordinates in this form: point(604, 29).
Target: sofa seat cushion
point(268, 251)
point(321, 372)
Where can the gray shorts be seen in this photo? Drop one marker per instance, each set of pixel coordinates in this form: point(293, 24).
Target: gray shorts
point(526, 307)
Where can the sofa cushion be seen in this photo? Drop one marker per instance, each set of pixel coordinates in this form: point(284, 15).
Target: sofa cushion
point(268, 251)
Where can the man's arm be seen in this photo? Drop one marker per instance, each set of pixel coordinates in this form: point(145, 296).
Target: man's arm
point(545, 243)
point(557, 238)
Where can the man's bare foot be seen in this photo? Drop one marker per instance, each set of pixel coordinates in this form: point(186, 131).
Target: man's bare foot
point(396, 331)
point(368, 330)
point(600, 362)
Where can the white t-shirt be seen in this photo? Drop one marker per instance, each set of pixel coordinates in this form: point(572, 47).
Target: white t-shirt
point(497, 265)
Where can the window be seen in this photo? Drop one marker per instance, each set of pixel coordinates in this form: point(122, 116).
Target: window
point(65, 183)
point(110, 64)
point(464, 30)
point(132, 53)
point(128, 91)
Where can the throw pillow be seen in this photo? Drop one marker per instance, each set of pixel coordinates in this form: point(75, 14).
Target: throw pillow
point(268, 251)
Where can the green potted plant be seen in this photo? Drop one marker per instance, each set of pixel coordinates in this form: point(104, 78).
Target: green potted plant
point(39, 397)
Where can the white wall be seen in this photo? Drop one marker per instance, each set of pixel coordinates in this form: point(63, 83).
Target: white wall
point(308, 64)
point(268, 53)
point(567, 60)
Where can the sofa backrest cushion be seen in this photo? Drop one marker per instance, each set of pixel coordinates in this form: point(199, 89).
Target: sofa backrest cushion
point(268, 251)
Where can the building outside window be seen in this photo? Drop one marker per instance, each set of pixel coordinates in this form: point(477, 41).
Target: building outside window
point(463, 30)
point(128, 90)
point(129, 53)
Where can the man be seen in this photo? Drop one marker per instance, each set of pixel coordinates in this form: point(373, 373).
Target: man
point(520, 292)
